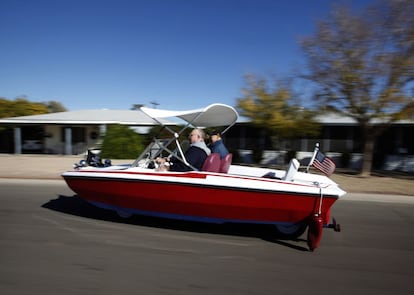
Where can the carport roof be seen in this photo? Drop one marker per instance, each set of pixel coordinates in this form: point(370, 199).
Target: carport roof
point(87, 117)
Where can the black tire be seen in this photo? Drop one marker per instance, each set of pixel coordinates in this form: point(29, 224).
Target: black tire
point(123, 214)
point(290, 232)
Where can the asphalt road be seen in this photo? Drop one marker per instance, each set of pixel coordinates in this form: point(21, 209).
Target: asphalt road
point(51, 242)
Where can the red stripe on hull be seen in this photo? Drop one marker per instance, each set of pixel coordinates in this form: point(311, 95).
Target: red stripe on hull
point(200, 200)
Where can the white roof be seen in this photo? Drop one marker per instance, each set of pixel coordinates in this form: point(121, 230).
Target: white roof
point(335, 119)
point(210, 116)
point(339, 119)
point(102, 116)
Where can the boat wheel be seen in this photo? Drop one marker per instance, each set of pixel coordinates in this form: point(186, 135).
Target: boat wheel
point(292, 231)
point(123, 214)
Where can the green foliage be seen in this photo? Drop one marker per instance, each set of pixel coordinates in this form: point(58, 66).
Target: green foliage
point(20, 107)
point(54, 106)
point(158, 131)
point(23, 107)
point(276, 110)
point(121, 142)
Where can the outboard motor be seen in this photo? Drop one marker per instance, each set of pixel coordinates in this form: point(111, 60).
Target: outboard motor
point(94, 159)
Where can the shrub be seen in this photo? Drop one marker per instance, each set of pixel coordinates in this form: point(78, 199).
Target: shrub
point(121, 142)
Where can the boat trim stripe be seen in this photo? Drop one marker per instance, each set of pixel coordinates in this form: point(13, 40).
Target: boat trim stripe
point(215, 186)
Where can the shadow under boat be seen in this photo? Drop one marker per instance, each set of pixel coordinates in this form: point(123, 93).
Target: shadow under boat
point(74, 205)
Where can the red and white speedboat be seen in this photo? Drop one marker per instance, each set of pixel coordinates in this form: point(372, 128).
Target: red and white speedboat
point(289, 199)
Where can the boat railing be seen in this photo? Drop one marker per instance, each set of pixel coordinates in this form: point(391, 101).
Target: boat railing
point(158, 146)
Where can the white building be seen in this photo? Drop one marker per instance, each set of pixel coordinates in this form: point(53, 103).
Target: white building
point(65, 132)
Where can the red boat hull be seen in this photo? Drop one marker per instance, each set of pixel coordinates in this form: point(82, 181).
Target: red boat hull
point(199, 202)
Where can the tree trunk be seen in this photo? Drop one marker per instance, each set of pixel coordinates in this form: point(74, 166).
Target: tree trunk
point(368, 152)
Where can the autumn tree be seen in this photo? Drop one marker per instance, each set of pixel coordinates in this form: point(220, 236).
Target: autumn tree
point(21, 106)
point(362, 64)
point(276, 109)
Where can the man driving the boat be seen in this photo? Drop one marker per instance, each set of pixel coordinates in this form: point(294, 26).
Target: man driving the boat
point(195, 155)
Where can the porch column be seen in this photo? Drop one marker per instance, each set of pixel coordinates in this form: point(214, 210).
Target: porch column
point(17, 140)
point(102, 130)
point(68, 141)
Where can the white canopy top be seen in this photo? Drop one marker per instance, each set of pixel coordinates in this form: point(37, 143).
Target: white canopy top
point(211, 116)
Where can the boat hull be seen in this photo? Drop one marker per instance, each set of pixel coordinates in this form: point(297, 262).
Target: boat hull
point(197, 200)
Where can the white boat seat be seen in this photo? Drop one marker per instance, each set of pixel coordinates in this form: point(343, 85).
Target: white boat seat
point(291, 170)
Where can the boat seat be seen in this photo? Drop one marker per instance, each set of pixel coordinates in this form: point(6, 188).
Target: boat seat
point(212, 163)
point(291, 170)
point(225, 163)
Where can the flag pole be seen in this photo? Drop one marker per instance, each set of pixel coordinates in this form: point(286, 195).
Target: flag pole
point(313, 156)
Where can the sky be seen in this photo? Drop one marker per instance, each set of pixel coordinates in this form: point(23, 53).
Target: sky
point(180, 54)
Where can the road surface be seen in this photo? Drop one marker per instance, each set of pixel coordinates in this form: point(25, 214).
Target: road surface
point(51, 242)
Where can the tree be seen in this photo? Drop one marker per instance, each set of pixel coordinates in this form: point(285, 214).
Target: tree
point(121, 142)
point(275, 109)
point(363, 66)
point(21, 106)
point(54, 106)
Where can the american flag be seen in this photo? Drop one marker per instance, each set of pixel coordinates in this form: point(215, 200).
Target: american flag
point(323, 163)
